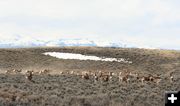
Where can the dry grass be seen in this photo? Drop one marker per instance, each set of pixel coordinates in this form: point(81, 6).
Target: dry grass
point(71, 90)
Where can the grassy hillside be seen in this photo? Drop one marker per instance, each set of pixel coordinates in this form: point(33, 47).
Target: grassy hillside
point(156, 61)
point(70, 90)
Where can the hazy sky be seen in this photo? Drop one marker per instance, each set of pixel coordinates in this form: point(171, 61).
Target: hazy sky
point(154, 23)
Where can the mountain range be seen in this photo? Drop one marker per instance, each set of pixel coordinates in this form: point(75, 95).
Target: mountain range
point(19, 41)
point(11, 43)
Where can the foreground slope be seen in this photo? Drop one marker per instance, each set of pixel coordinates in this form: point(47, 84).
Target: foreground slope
point(70, 90)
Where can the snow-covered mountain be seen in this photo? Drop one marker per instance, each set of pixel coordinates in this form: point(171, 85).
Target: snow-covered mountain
point(71, 42)
point(19, 41)
point(29, 42)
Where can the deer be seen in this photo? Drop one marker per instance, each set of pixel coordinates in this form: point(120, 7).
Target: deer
point(10, 71)
point(105, 78)
point(110, 74)
point(72, 72)
point(124, 77)
point(95, 77)
point(171, 78)
point(85, 75)
point(133, 76)
point(45, 71)
point(61, 72)
point(157, 80)
point(28, 75)
point(17, 71)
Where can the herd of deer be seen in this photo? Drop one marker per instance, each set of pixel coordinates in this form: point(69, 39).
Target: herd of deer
point(28, 74)
point(125, 76)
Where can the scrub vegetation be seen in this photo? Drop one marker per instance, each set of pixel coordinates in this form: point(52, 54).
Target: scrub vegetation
point(57, 89)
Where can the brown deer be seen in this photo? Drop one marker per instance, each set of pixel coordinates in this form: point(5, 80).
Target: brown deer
point(171, 78)
point(124, 77)
point(17, 71)
point(95, 77)
point(45, 71)
point(105, 78)
point(110, 74)
point(61, 72)
point(157, 80)
point(10, 71)
point(85, 75)
point(28, 75)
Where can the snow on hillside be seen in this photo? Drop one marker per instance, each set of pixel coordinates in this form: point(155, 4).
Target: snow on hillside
point(71, 42)
point(30, 42)
point(25, 41)
point(85, 57)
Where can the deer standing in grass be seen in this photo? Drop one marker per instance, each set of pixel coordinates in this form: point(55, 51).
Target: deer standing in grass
point(124, 77)
point(28, 75)
point(85, 75)
point(171, 78)
point(95, 77)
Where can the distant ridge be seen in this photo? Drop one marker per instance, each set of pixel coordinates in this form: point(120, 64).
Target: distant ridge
point(56, 43)
point(19, 42)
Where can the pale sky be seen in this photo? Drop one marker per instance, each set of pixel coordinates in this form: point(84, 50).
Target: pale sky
point(153, 23)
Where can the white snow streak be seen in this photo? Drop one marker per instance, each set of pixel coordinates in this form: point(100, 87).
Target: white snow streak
point(84, 57)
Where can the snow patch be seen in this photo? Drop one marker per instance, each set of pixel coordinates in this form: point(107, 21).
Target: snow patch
point(85, 57)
